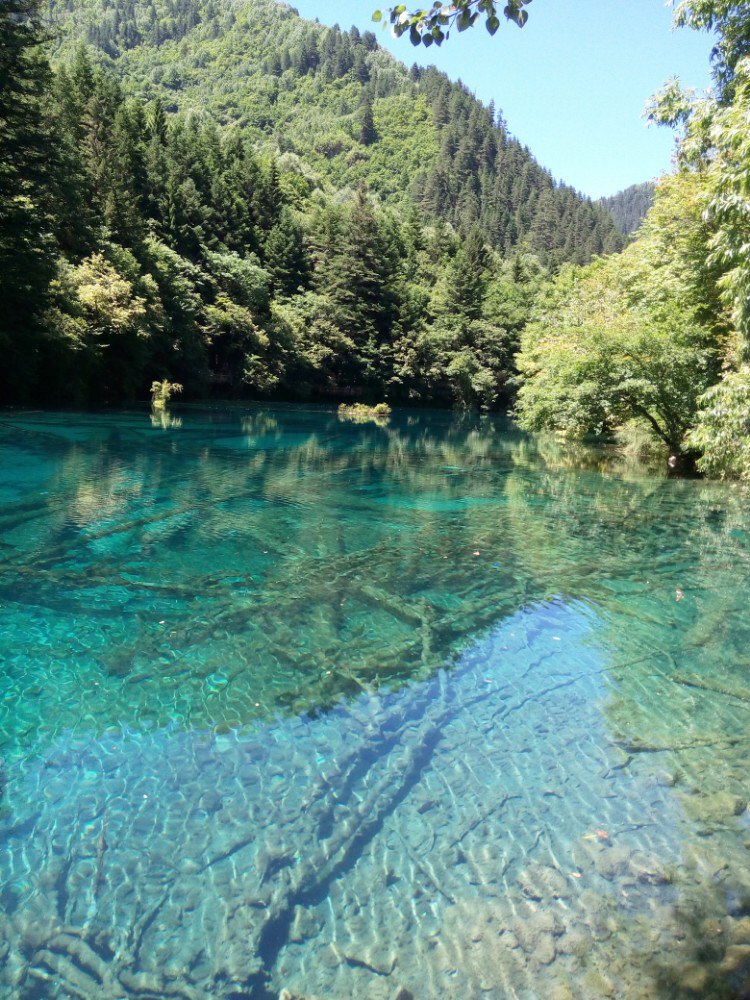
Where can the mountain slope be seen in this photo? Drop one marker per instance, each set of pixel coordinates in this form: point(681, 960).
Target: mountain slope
point(243, 202)
point(629, 207)
point(308, 91)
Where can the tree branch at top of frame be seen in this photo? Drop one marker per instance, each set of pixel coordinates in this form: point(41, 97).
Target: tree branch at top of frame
point(432, 25)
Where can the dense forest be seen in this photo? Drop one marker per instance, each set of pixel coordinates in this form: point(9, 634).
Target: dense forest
point(248, 203)
point(655, 340)
point(345, 107)
point(629, 207)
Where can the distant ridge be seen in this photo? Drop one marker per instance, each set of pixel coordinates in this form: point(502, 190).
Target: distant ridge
point(629, 207)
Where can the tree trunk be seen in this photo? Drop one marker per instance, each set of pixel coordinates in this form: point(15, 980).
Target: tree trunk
point(682, 463)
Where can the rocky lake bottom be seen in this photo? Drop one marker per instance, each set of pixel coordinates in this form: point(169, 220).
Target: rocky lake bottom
point(291, 707)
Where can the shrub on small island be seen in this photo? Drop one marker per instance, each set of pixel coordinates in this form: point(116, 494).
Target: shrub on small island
point(359, 413)
point(162, 392)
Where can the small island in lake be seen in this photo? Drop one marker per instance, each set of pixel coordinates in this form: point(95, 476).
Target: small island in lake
point(375, 549)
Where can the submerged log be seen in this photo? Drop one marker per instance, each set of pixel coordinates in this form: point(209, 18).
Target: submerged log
point(692, 680)
point(255, 916)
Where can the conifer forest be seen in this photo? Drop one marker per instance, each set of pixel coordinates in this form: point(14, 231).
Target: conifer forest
point(374, 525)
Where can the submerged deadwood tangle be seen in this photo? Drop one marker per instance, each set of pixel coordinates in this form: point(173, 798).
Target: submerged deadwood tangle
point(295, 703)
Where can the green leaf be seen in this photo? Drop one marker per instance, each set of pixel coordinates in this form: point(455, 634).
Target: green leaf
point(377, 15)
point(493, 23)
point(513, 12)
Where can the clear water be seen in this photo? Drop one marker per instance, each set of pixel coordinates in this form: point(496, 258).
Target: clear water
point(288, 703)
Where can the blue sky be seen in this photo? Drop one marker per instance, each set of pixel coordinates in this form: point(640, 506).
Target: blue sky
point(572, 83)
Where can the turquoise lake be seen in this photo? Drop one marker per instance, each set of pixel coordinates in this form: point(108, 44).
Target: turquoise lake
point(293, 706)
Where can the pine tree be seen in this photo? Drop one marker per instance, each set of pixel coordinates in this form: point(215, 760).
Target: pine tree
point(27, 162)
point(158, 122)
point(367, 131)
point(361, 292)
point(545, 228)
point(466, 278)
point(361, 69)
point(440, 110)
point(285, 256)
point(127, 176)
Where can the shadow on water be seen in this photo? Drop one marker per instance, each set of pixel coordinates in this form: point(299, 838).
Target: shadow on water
point(291, 703)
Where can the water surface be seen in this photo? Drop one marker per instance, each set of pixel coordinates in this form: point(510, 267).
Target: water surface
point(292, 703)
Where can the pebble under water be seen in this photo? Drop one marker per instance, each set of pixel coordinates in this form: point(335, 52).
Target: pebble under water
point(291, 706)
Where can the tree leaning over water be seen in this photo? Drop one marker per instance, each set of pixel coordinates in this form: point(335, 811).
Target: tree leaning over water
point(682, 288)
point(636, 337)
point(604, 349)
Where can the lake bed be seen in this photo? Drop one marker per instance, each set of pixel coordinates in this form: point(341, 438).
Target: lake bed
point(289, 703)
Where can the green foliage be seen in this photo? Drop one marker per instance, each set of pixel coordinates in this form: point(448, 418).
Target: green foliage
point(237, 198)
point(367, 132)
point(242, 278)
point(178, 341)
point(596, 376)
point(728, 19)
point(344, 107)
point(722, 427)
point(432, 25)
point(106, 308)
point(632, 337)
point(106, 299)
point(636, 340)
point(162, 392)
point(28, 155)
point(359, 413)
point(728, 206)
point(286, 256)
point(249, 203)
point(629, 207)
point(715, 150)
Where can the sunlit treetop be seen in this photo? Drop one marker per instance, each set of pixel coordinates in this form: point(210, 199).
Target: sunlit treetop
point(428, 25)
point(730, 22)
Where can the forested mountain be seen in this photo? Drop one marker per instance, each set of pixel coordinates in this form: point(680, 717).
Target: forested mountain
point(629, 207)
point(230, 197)
point(347, 108)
